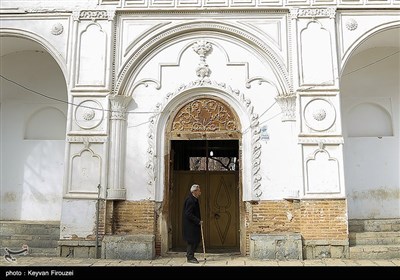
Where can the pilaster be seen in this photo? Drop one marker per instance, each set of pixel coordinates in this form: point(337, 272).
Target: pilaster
point(320, 134)
point(116, 189)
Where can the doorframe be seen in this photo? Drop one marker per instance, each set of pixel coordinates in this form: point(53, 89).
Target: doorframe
point(173, 172)
point(159, 152)
point(164, 219)
point(166, 241)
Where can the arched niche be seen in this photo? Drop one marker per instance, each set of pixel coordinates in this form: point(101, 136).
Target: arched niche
point(46, 124)
point(368, 120)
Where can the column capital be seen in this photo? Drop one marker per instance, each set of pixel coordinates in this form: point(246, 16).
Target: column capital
point(119, 104)
point(288, 106)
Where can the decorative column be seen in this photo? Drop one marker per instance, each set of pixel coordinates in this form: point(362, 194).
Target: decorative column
point(115, 188)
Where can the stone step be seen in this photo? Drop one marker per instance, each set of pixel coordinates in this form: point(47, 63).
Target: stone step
point(374, 225)
point(34, 252)
point(43, 252)
point(374, 238)
point(41, 237)
point(34, 242)
point(375, 252)
point(8, 228)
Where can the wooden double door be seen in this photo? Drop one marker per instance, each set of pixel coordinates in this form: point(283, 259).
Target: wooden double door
point(219, 205)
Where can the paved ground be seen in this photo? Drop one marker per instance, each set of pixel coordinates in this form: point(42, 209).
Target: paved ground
point(212, 260)
point(176, 267)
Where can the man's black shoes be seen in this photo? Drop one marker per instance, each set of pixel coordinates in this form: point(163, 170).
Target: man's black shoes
point(194, 260)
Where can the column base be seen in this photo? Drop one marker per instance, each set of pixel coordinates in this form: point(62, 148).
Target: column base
point(119, 194)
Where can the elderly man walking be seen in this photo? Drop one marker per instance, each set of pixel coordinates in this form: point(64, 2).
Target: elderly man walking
point(191, 222)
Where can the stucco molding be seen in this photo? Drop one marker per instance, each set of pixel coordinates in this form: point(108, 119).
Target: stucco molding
point(93, 15)
point(323, 140)
point(288, 106)
point(57, 29)
point(123, 81)
point(351, 24)
point(329, 12)
point(89, 114)
point(119, 105)
point(89, 139)
point(235, 5)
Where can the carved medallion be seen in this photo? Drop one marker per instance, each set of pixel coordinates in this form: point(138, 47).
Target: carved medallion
point(319, 114)
point(89, 114)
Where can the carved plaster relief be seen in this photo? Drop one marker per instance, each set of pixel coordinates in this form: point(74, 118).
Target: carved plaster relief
point(57, 29)
point(288, 106)
point(351, 24)
point(202, 48)
point(88, 139)
point(319, 114)
point(93, 15)
point(234, 4)
point(313, 13)
point(204, 115)
point(89, 114)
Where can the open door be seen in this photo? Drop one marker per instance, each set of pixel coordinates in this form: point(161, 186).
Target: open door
point(213, 164)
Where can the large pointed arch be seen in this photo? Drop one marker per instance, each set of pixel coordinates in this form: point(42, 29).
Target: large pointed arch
point(125, 78)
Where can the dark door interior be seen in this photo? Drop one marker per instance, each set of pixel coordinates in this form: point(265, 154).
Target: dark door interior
point(213, 164)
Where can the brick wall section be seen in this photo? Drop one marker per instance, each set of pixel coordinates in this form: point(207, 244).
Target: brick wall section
point(134, 217)
point(324, 219)
point(314, 219)
point(108, 216)
point(158, 227)
point(102, 211)
point(272, 216)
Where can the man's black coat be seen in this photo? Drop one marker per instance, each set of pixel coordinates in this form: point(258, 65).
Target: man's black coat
point(191, 220)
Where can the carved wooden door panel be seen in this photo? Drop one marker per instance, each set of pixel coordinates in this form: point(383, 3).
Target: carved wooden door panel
point(204, 136)
point(219, 206)
point(222, 223)
point(181, 188)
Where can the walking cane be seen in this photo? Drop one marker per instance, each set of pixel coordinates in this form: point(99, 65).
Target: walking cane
point(202, 239)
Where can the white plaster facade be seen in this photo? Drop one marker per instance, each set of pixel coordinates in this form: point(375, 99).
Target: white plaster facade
point(88, 89)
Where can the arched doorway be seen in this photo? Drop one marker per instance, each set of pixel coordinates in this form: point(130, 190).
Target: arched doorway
point(205, 149)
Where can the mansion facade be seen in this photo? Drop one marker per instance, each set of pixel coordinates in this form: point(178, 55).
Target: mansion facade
point(285, 112)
